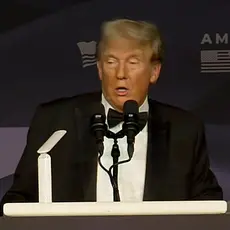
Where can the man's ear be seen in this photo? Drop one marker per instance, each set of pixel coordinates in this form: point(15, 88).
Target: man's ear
point(99, 68)
point(156, 69)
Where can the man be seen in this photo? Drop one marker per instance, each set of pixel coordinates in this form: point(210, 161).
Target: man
point(170, 161)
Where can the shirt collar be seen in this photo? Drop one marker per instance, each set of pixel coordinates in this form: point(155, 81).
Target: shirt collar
point(143, 108)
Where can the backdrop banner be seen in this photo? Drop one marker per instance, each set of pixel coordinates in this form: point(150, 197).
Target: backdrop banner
point(54, 56)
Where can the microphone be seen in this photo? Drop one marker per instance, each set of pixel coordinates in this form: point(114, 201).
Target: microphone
point(44, 167)
point(99, 130)
point(131, 124)
point(98, 127)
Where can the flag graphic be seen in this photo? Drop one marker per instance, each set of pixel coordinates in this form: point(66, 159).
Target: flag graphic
point(88, 53)
point(215, 61)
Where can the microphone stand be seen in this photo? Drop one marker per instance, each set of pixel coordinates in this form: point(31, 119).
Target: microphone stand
point(99, 130)
point(115, 153)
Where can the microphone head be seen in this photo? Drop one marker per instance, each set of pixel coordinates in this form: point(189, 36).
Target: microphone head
point(97, 121)
point(130, 107)
point(98, 127)
point(131, 126)
point(97, 113)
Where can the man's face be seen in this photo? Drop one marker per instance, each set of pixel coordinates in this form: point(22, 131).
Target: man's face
point(126, 72)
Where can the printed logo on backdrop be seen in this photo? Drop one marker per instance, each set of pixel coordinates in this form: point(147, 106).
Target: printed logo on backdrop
point(88, 53)
point(215, 53)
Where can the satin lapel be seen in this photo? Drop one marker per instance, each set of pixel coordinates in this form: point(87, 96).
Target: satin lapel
point(87, 160)
point(157, 156)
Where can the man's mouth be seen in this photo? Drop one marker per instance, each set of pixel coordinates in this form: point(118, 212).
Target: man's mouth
point(122, 91)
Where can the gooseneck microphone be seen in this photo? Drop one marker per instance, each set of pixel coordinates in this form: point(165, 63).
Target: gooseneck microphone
point(131, 124)
point(130, 129)
point(98, 127)
point(99, 130)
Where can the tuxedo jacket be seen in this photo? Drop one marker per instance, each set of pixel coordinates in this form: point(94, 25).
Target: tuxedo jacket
point(177, 166)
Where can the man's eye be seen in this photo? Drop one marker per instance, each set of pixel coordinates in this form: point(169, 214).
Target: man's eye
point(110, 61)
point(133, 61)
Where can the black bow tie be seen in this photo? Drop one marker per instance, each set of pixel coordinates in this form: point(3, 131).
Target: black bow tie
point(114, 118)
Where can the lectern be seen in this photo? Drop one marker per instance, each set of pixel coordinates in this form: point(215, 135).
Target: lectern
point(189, 215)
point(115, 208)
point(165, 215)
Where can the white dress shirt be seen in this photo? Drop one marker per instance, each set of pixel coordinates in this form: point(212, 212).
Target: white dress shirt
point(131, 175)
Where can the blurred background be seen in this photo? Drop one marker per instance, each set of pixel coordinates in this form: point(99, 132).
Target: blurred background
point(47, 51)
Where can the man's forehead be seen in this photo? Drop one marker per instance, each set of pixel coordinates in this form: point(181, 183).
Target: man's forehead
point(125, 48)
point(127, 52)
point(125, 44)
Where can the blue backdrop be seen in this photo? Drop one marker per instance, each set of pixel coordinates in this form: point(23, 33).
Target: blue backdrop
point(54, 56)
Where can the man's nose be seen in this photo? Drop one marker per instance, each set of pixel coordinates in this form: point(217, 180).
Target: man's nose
point(121, 72)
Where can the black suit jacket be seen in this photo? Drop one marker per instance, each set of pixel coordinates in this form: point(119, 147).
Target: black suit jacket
point(177, 159)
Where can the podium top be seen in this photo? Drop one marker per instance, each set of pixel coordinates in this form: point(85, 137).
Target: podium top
point(115, 208)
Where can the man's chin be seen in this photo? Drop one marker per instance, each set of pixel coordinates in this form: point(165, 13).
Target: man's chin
point(120, 101)
point(117, 102)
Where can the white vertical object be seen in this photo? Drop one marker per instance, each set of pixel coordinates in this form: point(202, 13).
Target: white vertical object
point(44, 178)
point(44, 167)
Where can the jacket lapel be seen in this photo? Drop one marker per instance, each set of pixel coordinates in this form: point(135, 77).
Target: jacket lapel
point(157, 165)
point(87, 166)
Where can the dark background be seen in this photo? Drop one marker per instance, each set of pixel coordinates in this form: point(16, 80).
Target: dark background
point(40, 61)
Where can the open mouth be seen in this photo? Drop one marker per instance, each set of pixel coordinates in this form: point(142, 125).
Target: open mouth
point(122, 91)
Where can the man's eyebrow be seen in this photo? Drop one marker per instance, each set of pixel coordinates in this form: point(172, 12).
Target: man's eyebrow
point(110, 55)
point(137, 55)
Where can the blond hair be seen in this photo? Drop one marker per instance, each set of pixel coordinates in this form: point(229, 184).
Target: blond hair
point(145, 33)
